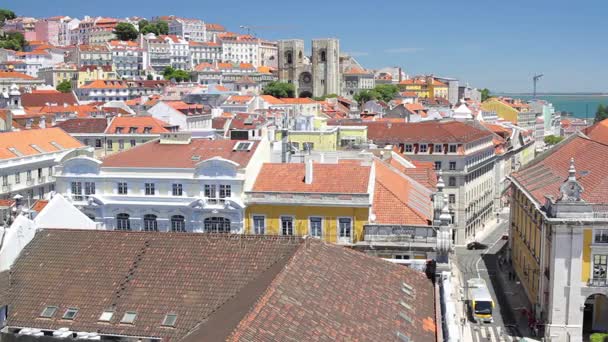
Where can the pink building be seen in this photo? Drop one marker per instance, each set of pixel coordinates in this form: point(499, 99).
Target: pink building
point(48, 29)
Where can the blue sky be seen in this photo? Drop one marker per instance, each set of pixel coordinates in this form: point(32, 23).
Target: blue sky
point(493, 44)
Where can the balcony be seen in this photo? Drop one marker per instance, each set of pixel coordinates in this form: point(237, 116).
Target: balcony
point(400, 234)
point(600, 282)
point(41, 180)
point(29, 182)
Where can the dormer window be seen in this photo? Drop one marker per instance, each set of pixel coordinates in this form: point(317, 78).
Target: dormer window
point(70, 313)
point(48, 312)
point(118, 130)
point(129, 317)
point(147, 130)
point(106, 316)
point(452, 148)
point(438, 148)
point(423, 148)
point(408, 148)
point(133, 130)
point(169, 320)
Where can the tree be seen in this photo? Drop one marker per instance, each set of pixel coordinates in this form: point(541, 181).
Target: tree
point(325, 97)
point(175, 74)
point(485, 94)
point(6, 15)
point(366, 95)
point(125, 31)
point(163, 27)
point(553, 140)
point(149, 77)
point(386, 92)
point(13, 41)
point(280, 89)
point(158, 27)
point(601, 113)
point(65, 86)
point(142, 23)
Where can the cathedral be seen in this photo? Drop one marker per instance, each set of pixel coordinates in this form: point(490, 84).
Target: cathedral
point(314, 76)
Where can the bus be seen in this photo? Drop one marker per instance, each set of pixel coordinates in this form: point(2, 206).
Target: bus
point(480, 300)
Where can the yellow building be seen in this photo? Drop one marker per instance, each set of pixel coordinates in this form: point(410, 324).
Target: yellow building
point(328, 201)
point(559, 237)
point(90, 73)
point(425, 87)
point(327, 138)
point(512, 110)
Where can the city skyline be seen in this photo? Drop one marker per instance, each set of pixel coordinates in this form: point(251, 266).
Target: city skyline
point(470, 42)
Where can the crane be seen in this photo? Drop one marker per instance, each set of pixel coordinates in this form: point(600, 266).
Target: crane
point(535, 80)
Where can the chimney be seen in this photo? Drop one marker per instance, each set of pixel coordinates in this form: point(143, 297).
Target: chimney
point(308, 175)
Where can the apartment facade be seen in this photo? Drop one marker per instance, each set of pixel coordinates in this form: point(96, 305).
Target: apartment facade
point(464, 154)
point(512, 110)
point(559, 237)
point(174, 184)
point(28, 159)
point(191, 29)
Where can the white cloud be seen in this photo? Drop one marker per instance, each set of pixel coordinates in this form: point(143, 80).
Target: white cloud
point(404, 50)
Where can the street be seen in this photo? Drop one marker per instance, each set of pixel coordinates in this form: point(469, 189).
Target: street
point(484, 264)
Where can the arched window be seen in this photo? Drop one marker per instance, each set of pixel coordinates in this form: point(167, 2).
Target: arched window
point(178, 223)
point(323, 56)
point(217, 225)
point(300, 56)
point(289, 57)
point(123, 222)
point(150, 224)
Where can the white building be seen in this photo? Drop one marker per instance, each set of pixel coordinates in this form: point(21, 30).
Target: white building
point(190, 29)
point(104, 91)
point(240, 48)
point(189, 117)
point(179, 52)
point(35, 60)
point(174, 184)
point(27, 159)
point(269, 54)
point(205, 52)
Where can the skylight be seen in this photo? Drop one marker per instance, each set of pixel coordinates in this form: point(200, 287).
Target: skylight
point(56, 145)
point(243, 146)
point(48, 312)
point(106, 316)
point(37, 148)
point(129, 317)
point(15, 151)
point(169, 320)
point(70, 313)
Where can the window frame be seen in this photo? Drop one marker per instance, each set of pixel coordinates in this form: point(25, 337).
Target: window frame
point(311, 228)
point(291, 219)
point(256, 230)
point(339, 228)
point(72, 316)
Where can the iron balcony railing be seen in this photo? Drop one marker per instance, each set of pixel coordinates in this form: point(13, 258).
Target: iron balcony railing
point(598, 282)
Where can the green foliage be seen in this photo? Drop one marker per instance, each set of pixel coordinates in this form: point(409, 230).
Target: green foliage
point(366, 95)
point(553, 140)
point(125, 31)
point(142, 23)
point(280, 89)
point(65, 86)
point(13, 41)
point(598, 337)
point(386, 92)
point(149, 77)
point(158, 27)
point(6, 15)
point(175, 74)
point(601, 113)
point(485, 94)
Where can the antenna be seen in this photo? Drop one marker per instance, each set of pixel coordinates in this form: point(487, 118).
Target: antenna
point(535, 80)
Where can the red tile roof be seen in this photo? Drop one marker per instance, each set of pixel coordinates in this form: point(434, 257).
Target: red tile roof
point(41, 99)
point(183, 156)
point(84, 125)
point(39, 205)
point(246, 121)
point(547, 173)
point(14, 74)
point(300, 100)
point(238, 99)
point(598, 132)
point(429, 131)
point(398, 199)
point(22, 141)
point(327, 178)
point(126, 123)
point(271, 99)
point(104, 84)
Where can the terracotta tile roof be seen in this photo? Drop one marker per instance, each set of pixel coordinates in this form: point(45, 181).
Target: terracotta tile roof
point(327, 178)
point(214, 27)
point(105, 84)
point(301, 100)
point(139, 123)
point(39, 205)
point(156, 155)
point(7, 202)
point(357, 71)
point(219, 122)
point(93, 48)
point(41, 99)
point(120, 271)
point(598, 132)
point(271, 99)
point(547, 173)
point(185, 108)
point(84, 125)
point(48, 139)
point(408, 94)
point(14, 74)
point(237, 294)
point(265, 69)
point(329, 293)
point(398, 199)
point(238, 99)
point(429, 131)
point(204, 67)
point(246, 121)
point(423, 172)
